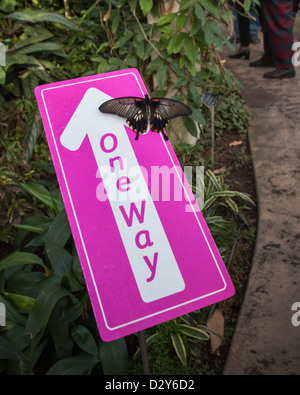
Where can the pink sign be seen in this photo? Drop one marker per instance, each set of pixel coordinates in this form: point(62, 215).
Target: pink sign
point(145, 249)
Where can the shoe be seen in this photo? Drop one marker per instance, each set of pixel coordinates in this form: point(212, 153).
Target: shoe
point(280, 73)
point(242, 54)
point(261, 63)
point(254, 39)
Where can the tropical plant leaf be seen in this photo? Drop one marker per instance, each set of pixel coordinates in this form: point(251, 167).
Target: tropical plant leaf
point(60, 259)
point(42, 194)
point(213, 179)
point(194, 332)
point(146, 6)
point(73, 366)
point(84, 339)
point(8, 350)
point(33, 16)
point(43, 307)
point(25, 302)
point(59, 231)
point(114, 357)
point(21, 258)
point(190, 126)
point(179, 347)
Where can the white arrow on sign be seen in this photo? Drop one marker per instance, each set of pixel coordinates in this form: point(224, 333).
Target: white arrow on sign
point(150, 255)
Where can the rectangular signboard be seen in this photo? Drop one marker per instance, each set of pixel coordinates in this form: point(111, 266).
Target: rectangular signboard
point(145, 249)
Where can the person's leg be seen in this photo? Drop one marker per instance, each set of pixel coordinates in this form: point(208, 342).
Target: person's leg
point(278, 32)
point(244, 28)
point(267, 56)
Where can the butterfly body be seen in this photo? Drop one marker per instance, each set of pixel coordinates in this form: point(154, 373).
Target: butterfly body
point(139, 112)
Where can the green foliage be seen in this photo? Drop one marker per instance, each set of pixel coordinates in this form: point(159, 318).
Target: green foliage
point(230, 114)
point(50, 324)
point(173, 346)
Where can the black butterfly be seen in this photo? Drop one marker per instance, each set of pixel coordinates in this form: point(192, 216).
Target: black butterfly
point(139, 111)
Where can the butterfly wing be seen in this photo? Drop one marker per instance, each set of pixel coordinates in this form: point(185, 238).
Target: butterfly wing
point(131, 108)
point(165, 109)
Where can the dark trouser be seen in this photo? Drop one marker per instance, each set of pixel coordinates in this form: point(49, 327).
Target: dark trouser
point(277, 26)
point(244, 27)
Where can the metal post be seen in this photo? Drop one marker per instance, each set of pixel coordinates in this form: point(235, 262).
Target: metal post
point(212, 134)
point(143, 346)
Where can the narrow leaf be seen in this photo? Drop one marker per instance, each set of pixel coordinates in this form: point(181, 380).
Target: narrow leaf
point(21, 258)
point(42, 194)
point(84, 339)
point(114, 357)
point(43, 307)
point(193, 332)
point(8, 350)
point(25, 302)
point(73, 366)
point(179, 348)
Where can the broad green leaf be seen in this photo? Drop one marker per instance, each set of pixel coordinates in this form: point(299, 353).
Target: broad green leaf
point(43, 46)
point(12, 313)
point(162, 76)
point(43, 307)
point(32, 40)
point(29, 82)
point(180, 21)
point(211, 8)
point(179, 348)
point(8, 350)
point(146, 6)
point(42, 194)
point(165, 19)
point(114, 357)
point(21, 16)
point(25, 302)
point(190, 126)
point(154, 65)
point(123, 40)
point(195, 95)
point(191, 50)
point(193, 332)
point(197, 116)
point(200, 14)
point(44, 16)
point(75, 365)
point(16, 335)
point(59, 258)
point(186, 4)
point(84, 339)
point(21, 258)
point(59, 231)
point(18, 58)
point(247, 5)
